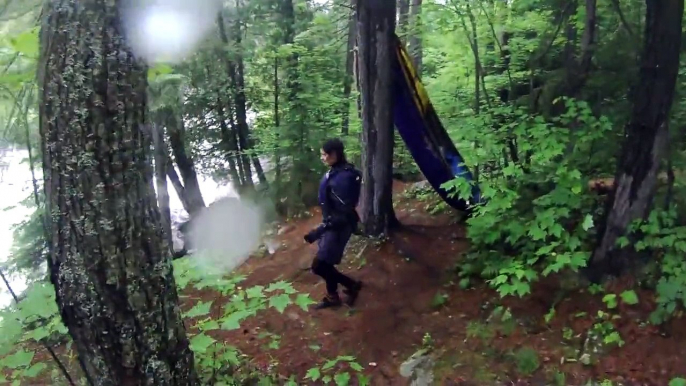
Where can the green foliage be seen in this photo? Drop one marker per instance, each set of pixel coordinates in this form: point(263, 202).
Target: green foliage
point(34, 320)
point(526, 360)
point(216, 360)
point(338, 371)
point(604, 328)
point(677, 382)
point(536, 220)
point(663, 237)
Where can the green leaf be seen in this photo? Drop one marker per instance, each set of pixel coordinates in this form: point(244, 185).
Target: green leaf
point(160, 69)
point(280, 302)
point(678, 382)
point(284, 286)
point(629, 297)
point(304, 301)
point(342, 379)
point(18, 359)
point(231, 356)
point(209, 325)
point(588, 222)
point(356, 366)
point(34, 370)
point(200, 309)
point(38, 333)
point(201, 342)
point(314, 374)
point(255, 292)
point(233, 320)
point(610, 300)
point(329, 364)
point(27, 43)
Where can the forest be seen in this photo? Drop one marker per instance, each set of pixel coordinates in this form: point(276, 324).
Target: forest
point(123, 124)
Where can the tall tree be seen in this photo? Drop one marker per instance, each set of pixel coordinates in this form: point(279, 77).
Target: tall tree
point(375, 29)
point(161, 165)
point(647, 131)
point(240, 100)
point(348, 76)
point(414, 39)
point(108, 258)
point(240, 122)
point(176, 130)
point(403, 15)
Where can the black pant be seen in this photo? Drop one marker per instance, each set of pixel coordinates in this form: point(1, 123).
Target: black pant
point(331, 276)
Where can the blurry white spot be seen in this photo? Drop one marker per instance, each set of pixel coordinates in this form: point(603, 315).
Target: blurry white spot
point(226, 233)
point(168, 30)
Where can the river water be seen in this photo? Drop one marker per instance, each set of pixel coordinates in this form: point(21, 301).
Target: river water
point(16, 185)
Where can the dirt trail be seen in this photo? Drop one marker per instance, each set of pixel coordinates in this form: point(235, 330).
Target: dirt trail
point(392, 313)
point(395, 312)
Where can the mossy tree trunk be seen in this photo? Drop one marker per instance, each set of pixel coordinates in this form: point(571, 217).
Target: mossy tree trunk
point(108, 258)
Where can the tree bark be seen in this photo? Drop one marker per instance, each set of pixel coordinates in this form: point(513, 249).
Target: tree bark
point(348, 77)
point(177, 184)
point(403, 17)
point(579, 71)
point(241, 122)
point(176, 132)
point(241, 100)
point(645, 134)
point(228, 139)
point(375, 26)
point(414, 40)
point(161, 165)
point(108, 258)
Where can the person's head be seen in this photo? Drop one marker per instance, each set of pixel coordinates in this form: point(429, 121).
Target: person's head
point(333, 152)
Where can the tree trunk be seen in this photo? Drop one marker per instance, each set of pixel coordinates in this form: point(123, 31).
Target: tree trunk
point(348, 77)
point(235, 72)
point(108, 258)
point(161, 165)
point(177, 184)
point(646, 132)
point(579, 70)
point(403, 17)
point(414, 41)
point(228, 142)
point(176, 132)
point(375, 25)
point(277, 124)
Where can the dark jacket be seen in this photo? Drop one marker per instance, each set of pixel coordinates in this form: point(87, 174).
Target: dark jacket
point(339, 193)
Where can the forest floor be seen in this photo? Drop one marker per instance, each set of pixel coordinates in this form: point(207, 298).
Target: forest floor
point(411, 294)
point(411, 300)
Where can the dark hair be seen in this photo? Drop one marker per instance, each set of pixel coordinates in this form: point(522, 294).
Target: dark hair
point(335, 146)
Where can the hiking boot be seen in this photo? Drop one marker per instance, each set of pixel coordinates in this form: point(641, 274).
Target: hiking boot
point(329, 301)
point(352, 293)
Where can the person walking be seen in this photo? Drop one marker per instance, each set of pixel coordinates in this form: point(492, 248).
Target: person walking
point(339, 193)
